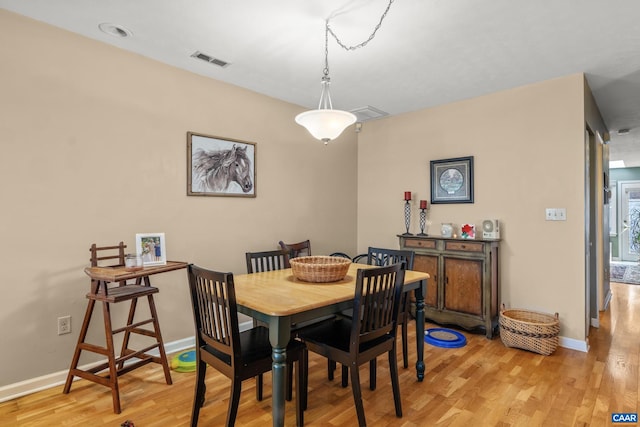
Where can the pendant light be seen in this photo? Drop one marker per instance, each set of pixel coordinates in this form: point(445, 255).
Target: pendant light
point(325, 123)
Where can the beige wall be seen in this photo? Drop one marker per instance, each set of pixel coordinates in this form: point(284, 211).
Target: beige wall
point(528, 145)
point(94, 150)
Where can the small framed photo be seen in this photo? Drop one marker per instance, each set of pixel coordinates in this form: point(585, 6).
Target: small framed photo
point(151, 248)
point(220, 166)
point(452, 180)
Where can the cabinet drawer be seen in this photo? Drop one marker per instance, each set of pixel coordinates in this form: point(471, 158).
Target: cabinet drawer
point(426, 244)
point(463, 246)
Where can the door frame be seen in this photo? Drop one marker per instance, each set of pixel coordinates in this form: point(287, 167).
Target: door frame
point(623, 239)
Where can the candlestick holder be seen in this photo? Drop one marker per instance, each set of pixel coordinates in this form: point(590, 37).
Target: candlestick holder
point(407, 217)
point(423, 222)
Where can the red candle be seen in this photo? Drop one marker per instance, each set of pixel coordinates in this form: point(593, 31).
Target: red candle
point(407, 195)
point(423, 204)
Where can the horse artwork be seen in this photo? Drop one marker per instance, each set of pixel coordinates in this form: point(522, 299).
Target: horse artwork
point(220, 167)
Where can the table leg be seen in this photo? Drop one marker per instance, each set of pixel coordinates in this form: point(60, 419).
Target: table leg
point(419, 293)
point(279, 335)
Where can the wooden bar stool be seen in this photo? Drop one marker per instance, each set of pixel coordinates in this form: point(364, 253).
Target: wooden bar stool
point(124, 291)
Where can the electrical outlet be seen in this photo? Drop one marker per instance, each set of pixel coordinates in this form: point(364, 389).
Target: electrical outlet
point(64, 325)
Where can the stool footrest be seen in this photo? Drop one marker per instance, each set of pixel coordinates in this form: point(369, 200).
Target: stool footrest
point(133, 326)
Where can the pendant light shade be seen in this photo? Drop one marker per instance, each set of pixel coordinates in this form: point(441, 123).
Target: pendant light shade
point(325, 124)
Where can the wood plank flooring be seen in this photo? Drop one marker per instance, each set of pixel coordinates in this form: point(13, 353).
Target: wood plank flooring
point(481, 384)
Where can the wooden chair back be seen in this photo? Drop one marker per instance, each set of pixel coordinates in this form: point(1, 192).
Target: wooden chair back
point(381, 257)
point(101, 254)
point(297, 249)
point(258, 262)
point(110, 256)
point(215, 314)
point(377, 300)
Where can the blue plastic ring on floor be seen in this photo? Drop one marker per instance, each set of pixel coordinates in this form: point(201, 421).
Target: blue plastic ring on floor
point(442, 337)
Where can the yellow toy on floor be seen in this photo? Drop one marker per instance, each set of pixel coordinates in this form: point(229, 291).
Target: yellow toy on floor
point(184, 362)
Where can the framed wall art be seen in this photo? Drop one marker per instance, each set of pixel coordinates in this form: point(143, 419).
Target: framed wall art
point(151, 248)
point(452, 180)
point(220, 166)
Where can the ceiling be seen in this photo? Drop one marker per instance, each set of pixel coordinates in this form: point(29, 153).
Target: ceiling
point(426, 52)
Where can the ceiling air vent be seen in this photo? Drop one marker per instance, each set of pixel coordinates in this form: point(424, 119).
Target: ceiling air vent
point(209, 59)
point(368, 113)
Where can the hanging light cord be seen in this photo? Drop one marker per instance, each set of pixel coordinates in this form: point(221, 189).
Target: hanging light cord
point(364, 43)
point(325, 97)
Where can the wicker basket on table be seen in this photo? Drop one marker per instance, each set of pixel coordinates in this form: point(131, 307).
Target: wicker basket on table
point(320, 268)
point(529, 330)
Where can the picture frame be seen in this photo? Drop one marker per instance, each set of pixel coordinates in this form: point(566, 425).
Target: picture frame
point(151, 248)
point(452, 180)
point(219, 166)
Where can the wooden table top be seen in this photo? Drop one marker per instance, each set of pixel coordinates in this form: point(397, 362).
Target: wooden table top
point(279, 293)
point(117, 274)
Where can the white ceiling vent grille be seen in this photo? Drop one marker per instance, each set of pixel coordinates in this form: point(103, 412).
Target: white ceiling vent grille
point(210, 59)
point(368, 113)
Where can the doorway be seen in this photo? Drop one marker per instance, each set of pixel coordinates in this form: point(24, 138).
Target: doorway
point(630, 219)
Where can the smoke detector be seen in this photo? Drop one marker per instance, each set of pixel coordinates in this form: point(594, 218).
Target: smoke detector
point(115, 30)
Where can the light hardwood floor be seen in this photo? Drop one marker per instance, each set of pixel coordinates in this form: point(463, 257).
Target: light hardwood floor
point(481, 384)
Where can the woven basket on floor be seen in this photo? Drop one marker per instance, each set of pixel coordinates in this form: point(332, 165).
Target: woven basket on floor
point(529, 330)
point(319, 268)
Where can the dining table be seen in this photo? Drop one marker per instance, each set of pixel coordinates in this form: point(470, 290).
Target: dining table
point(281, 300)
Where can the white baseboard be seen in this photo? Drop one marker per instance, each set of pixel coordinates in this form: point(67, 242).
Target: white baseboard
point(22, 388)
point(574, 344)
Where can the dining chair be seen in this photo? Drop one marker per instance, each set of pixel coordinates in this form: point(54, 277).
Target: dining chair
point(382, 257)
point(220, 344)
point(113, 256)
point(296, 249)
point(367, 335)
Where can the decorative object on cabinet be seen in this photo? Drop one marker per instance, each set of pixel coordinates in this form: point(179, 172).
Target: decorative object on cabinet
point(468, 231)
point(452, 180)
point(151, 248)
point(446, 229)
point(529, 330)
point(407, 212)
point(424, 205)
point(490, 229)
point(220, 166)
point(464, 288)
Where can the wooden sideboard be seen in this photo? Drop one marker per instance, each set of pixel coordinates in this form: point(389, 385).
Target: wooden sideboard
point(464, 287)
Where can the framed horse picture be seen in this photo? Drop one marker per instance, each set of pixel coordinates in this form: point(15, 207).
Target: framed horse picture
point(220, 166)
